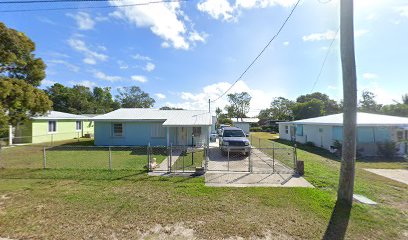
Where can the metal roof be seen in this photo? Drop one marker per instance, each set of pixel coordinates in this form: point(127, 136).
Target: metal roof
point(245, 120)
point(363, 119)
point(55, 115)
point(169, 117)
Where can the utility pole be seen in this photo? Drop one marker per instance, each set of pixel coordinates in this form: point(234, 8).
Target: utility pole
point(347, 171)
point(209, 105)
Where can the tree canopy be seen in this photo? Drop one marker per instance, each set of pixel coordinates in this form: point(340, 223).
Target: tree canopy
point(239, 104)
point(134, 97)
point(17, 59)
point(368, 103)
point(20, 73)
point(80, 99)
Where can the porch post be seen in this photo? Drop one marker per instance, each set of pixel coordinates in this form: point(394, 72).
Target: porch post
point(168, 136)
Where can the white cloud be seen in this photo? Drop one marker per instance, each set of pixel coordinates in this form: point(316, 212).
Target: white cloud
point(382, 95)
point(328, 35)
point(160, 95)
point(165, 20)
point(103, 76)
point(197, 37)
point(68, 65)
point(149, 67)
point(84, 83)
point(141, 57)
point(47, 83)
point(139, 78)
point(199, 100)
point(223, 10)
point(122, 65)
point(165, 45)
point(218, 9)
point(286, 43)
point(370, 76)
point(90, 56)
point(403, 11)
point(83, 20)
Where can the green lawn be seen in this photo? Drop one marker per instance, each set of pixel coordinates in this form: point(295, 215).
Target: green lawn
point(78, 155)
point(82, 203)
point(189, 161)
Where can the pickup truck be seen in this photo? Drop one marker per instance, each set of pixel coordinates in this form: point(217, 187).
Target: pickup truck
point(233, 139)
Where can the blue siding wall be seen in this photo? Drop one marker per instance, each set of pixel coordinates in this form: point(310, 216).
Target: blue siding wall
point(365, 134)
point(134, 134)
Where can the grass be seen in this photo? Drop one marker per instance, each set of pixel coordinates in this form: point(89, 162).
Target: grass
point(78, 155)
point(82, 203)
point(188, 161)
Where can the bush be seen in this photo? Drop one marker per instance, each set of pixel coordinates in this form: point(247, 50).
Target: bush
point(255, 129)
point(387, 149)
point(310, 144)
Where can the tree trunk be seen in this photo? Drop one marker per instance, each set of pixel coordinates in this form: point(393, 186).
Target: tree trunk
point(346, 181)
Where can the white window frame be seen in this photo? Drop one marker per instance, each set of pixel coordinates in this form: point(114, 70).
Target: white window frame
point(157, 131)
point(113, 130)
point(80, 125)
point(55, 126)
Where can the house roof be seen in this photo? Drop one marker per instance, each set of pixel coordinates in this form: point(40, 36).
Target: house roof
point(363, 119)
point(169, 117)
point(245, 120)
point(55, 115)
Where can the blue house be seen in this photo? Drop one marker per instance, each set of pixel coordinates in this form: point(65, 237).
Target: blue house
point(143, 126)
point(371, 130)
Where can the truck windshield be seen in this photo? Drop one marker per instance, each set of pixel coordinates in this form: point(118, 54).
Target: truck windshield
point(233, 133)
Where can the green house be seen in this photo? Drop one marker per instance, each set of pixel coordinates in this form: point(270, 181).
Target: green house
point(53, 126)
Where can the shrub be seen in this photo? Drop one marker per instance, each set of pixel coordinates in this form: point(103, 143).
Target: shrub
point(387, 149)
point(310, 144)
point(255, 129)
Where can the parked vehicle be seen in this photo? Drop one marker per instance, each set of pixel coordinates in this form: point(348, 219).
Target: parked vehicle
point(213, 137)
point(235, 140)
point(222, 126)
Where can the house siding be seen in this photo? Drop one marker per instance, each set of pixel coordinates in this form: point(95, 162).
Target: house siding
point(243, 125)
point(323, 136)
point(139, 134)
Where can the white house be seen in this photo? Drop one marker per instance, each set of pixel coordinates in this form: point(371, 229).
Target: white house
point(371, 129)
point(244, 123)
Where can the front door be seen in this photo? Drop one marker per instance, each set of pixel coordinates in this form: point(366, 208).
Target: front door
point(181, 136)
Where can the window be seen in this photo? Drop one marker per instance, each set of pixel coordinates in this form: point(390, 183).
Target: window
point(78, 126)
point(233, 133)
point(117, 129)
point(158, 131)
point(197, 131)
point(299, 130)
point(52, 126)
point(287, 129)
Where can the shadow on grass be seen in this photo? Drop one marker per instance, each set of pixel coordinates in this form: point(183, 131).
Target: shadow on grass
point(339, 220)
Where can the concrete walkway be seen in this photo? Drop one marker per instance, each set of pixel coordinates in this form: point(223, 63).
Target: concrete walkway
point(163, 166)
point(229, 179)
point(400, 175)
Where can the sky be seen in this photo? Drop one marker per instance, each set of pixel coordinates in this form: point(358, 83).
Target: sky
point(184, 53)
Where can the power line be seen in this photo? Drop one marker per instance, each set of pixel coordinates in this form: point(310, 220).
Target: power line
point(263, 50)
point(53, 1)
point(324, 60)
point(88, 7)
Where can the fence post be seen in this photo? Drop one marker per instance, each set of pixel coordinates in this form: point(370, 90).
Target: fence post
point(295, 158)
point(249, 160)
point(110, 159)
point(273, 156)
point(259, 143)
point(78, 136)
point(52, 139)
point(170, 159)
point(228, 158)
point(148, 158)
point(44, 158)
